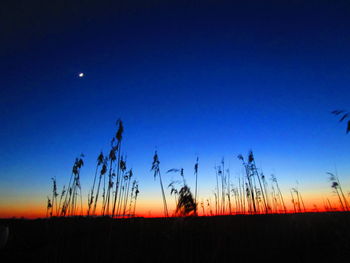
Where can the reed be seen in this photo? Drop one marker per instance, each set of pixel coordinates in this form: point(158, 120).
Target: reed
point(274, 179)
point(251, 194)
point(156, 171)
point(102, 174)
point(119, 137)
point(54, 196)
point(196, 175)
point(99, 162)
point(344, 115)
point(339, 191)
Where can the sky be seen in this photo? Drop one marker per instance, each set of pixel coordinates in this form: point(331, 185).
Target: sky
point(211, 79)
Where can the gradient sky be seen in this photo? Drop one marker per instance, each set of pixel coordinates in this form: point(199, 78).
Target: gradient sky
point(207, 78)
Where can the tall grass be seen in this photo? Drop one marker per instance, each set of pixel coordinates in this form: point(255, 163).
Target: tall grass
point(249, 193)
point(110, 170)
point(339, 191)
point(185, 203)
point(196, 175)
point(102, 174)
point(119, 137)
point(54, 197)
point(279, 197)
point(100, 160)
point(70, 205)
point(156, 172)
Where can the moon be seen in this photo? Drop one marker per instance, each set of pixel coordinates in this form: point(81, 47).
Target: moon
point(81, 74)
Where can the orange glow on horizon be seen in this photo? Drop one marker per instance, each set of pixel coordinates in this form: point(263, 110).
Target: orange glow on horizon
point(152, 208)
point(41, 213)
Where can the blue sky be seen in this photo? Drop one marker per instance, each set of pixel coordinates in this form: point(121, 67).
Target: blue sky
point(212, 79)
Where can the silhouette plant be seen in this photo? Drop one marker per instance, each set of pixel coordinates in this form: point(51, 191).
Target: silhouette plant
point(61, 197)
point(196, 174)
point(344, 115)
point(299, 199)
point(133, 197)
point(249, 187)
point(100, 160)
point(119, 137)
point(209, 207)
point(76, 185)
point(126, 192)
point(48, 207)
point(255, 172)
point(250, 196)
point(112, 158)
point(136, 194)
point(54, 195)
point(115, 167)
point(202, 205)
point(186, 205)
point(123, 178)
point(229, 191)
point(274, 179)
point(102, 173)
point(156, 171)
point(69, 204)
point(217, 194)
point(296, 201)
point(223, 183)
point(173, 191)
point(339, 191)
point(266, 192)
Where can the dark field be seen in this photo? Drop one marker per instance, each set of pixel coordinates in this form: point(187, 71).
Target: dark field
point(283, 238)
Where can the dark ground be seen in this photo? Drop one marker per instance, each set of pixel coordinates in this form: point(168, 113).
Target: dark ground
point(310, 237)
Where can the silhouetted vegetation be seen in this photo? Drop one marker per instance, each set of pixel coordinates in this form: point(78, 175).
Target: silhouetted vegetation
point(120, 203)
point(156, 170)
point(70, 205)
point(184, 202)
point(270, 233)
point(344, 115)
point(251, 194)
point(339, 191)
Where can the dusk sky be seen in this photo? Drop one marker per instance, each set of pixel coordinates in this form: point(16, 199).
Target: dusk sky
point(211, 79)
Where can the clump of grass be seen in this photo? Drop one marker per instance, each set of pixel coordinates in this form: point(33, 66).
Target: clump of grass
point(339, 191)
point(112, 165)
point(186, 205)
point(250, 196)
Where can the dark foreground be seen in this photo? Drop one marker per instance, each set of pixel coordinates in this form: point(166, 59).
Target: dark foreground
point(283, 238)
